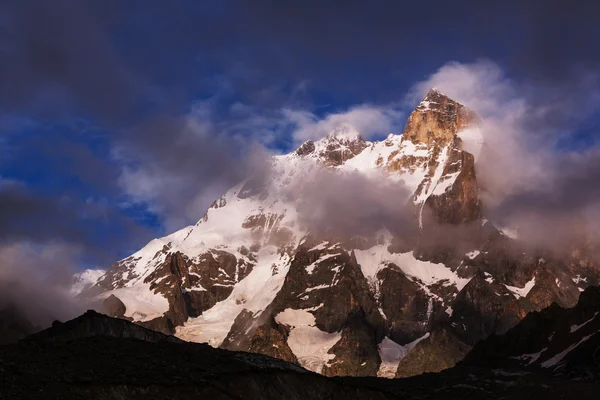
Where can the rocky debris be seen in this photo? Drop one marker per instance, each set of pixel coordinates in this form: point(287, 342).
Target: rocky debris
point(95, 356)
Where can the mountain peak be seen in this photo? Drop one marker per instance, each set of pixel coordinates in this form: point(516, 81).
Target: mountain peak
point(435, 100)
point(344, 131)
point(340, 145)
point(437, 117)
point(434, 92)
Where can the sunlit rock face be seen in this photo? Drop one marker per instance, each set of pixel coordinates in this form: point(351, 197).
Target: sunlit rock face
point(408, 296)
point(438, 119)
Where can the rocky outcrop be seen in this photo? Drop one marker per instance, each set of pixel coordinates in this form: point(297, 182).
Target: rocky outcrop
point(439, 351)
point(356, 352)
point(113, 307)
point(270, 339)
point(404, 305)
point(460, 203)
point(340, 146)
point(437, 119)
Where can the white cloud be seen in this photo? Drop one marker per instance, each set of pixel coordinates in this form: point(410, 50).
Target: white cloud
point(368, 120)
point(177, 170)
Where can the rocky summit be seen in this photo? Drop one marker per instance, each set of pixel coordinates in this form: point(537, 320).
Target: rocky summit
point(269, 270)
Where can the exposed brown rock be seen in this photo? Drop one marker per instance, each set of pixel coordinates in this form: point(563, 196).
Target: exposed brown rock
point(356, 353)
point(339, 149)
point(306, 148)
point(460, 204)
point(440, 351)
point(270, 339)
point(437, 118)
point(404, 305)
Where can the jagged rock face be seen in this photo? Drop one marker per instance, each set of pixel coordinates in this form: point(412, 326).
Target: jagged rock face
point(459, 204)
point(404, 304)
point(439, 351)
point(555, 338)
point(437, 119)
point(251, 275)
point(270, 340)
point(339, 146)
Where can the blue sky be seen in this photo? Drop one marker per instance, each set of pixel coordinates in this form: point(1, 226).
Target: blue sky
point(121, 120)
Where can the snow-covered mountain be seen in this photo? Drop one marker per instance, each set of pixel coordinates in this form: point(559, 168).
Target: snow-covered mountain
point(255, 274)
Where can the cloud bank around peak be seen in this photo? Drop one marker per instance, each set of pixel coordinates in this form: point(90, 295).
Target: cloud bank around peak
point(528, 181)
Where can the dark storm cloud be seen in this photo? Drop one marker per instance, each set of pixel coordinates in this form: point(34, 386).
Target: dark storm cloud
point(558, 38)
point(56, 54)
point(108, 55)
point(29, 216)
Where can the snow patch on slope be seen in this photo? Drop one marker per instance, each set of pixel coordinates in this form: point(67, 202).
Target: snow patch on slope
point(392, 353)
point(141, 303)
point(558, 357)
point(522, 292)
point(575, 328)
point(429, 188)
point(309, 344)
point(378, 257)
point(253, 293)
point(533, 357)
point(473, 254)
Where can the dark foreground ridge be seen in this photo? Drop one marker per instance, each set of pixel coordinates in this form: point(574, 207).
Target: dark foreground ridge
point(98, 357)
